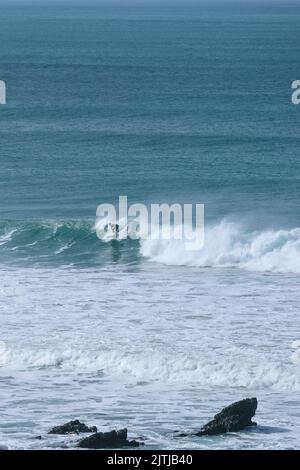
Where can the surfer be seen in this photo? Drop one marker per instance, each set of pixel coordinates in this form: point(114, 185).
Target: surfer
point(115, 228)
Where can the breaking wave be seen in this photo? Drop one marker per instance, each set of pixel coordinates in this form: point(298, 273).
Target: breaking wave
point(227, 245)
point(225, 371)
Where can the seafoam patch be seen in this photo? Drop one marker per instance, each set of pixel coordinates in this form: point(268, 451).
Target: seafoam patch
point(295, 357)
point(2, 351)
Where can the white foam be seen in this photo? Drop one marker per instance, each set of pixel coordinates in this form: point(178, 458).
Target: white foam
point(228, 245)
point(7, 237)
point(216, 371)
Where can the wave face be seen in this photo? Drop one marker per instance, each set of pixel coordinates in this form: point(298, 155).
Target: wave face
point(227, 245)
point(65, 242)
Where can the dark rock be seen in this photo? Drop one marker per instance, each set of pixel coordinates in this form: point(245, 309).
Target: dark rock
point(107, 440)
point(73, 427)
point(233, 418)
point(38, 437)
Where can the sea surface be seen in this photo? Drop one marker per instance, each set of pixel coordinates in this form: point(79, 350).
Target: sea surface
point(173, 105)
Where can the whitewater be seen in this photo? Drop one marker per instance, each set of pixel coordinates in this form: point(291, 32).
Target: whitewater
point(201, 331)
point(75, 242)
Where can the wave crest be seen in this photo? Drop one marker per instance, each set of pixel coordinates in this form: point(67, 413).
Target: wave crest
point(227, 245)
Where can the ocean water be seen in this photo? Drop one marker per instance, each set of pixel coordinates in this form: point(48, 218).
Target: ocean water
point(184, 105)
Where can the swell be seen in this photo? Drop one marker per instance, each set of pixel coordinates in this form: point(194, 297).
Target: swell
point(227, 245)
point(58, 242)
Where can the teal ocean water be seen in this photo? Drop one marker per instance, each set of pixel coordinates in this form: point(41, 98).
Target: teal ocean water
point(187, 105)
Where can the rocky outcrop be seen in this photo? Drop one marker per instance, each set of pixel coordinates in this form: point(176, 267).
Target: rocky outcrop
point(107, 440)
point(72, 427)
point(233, 418)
